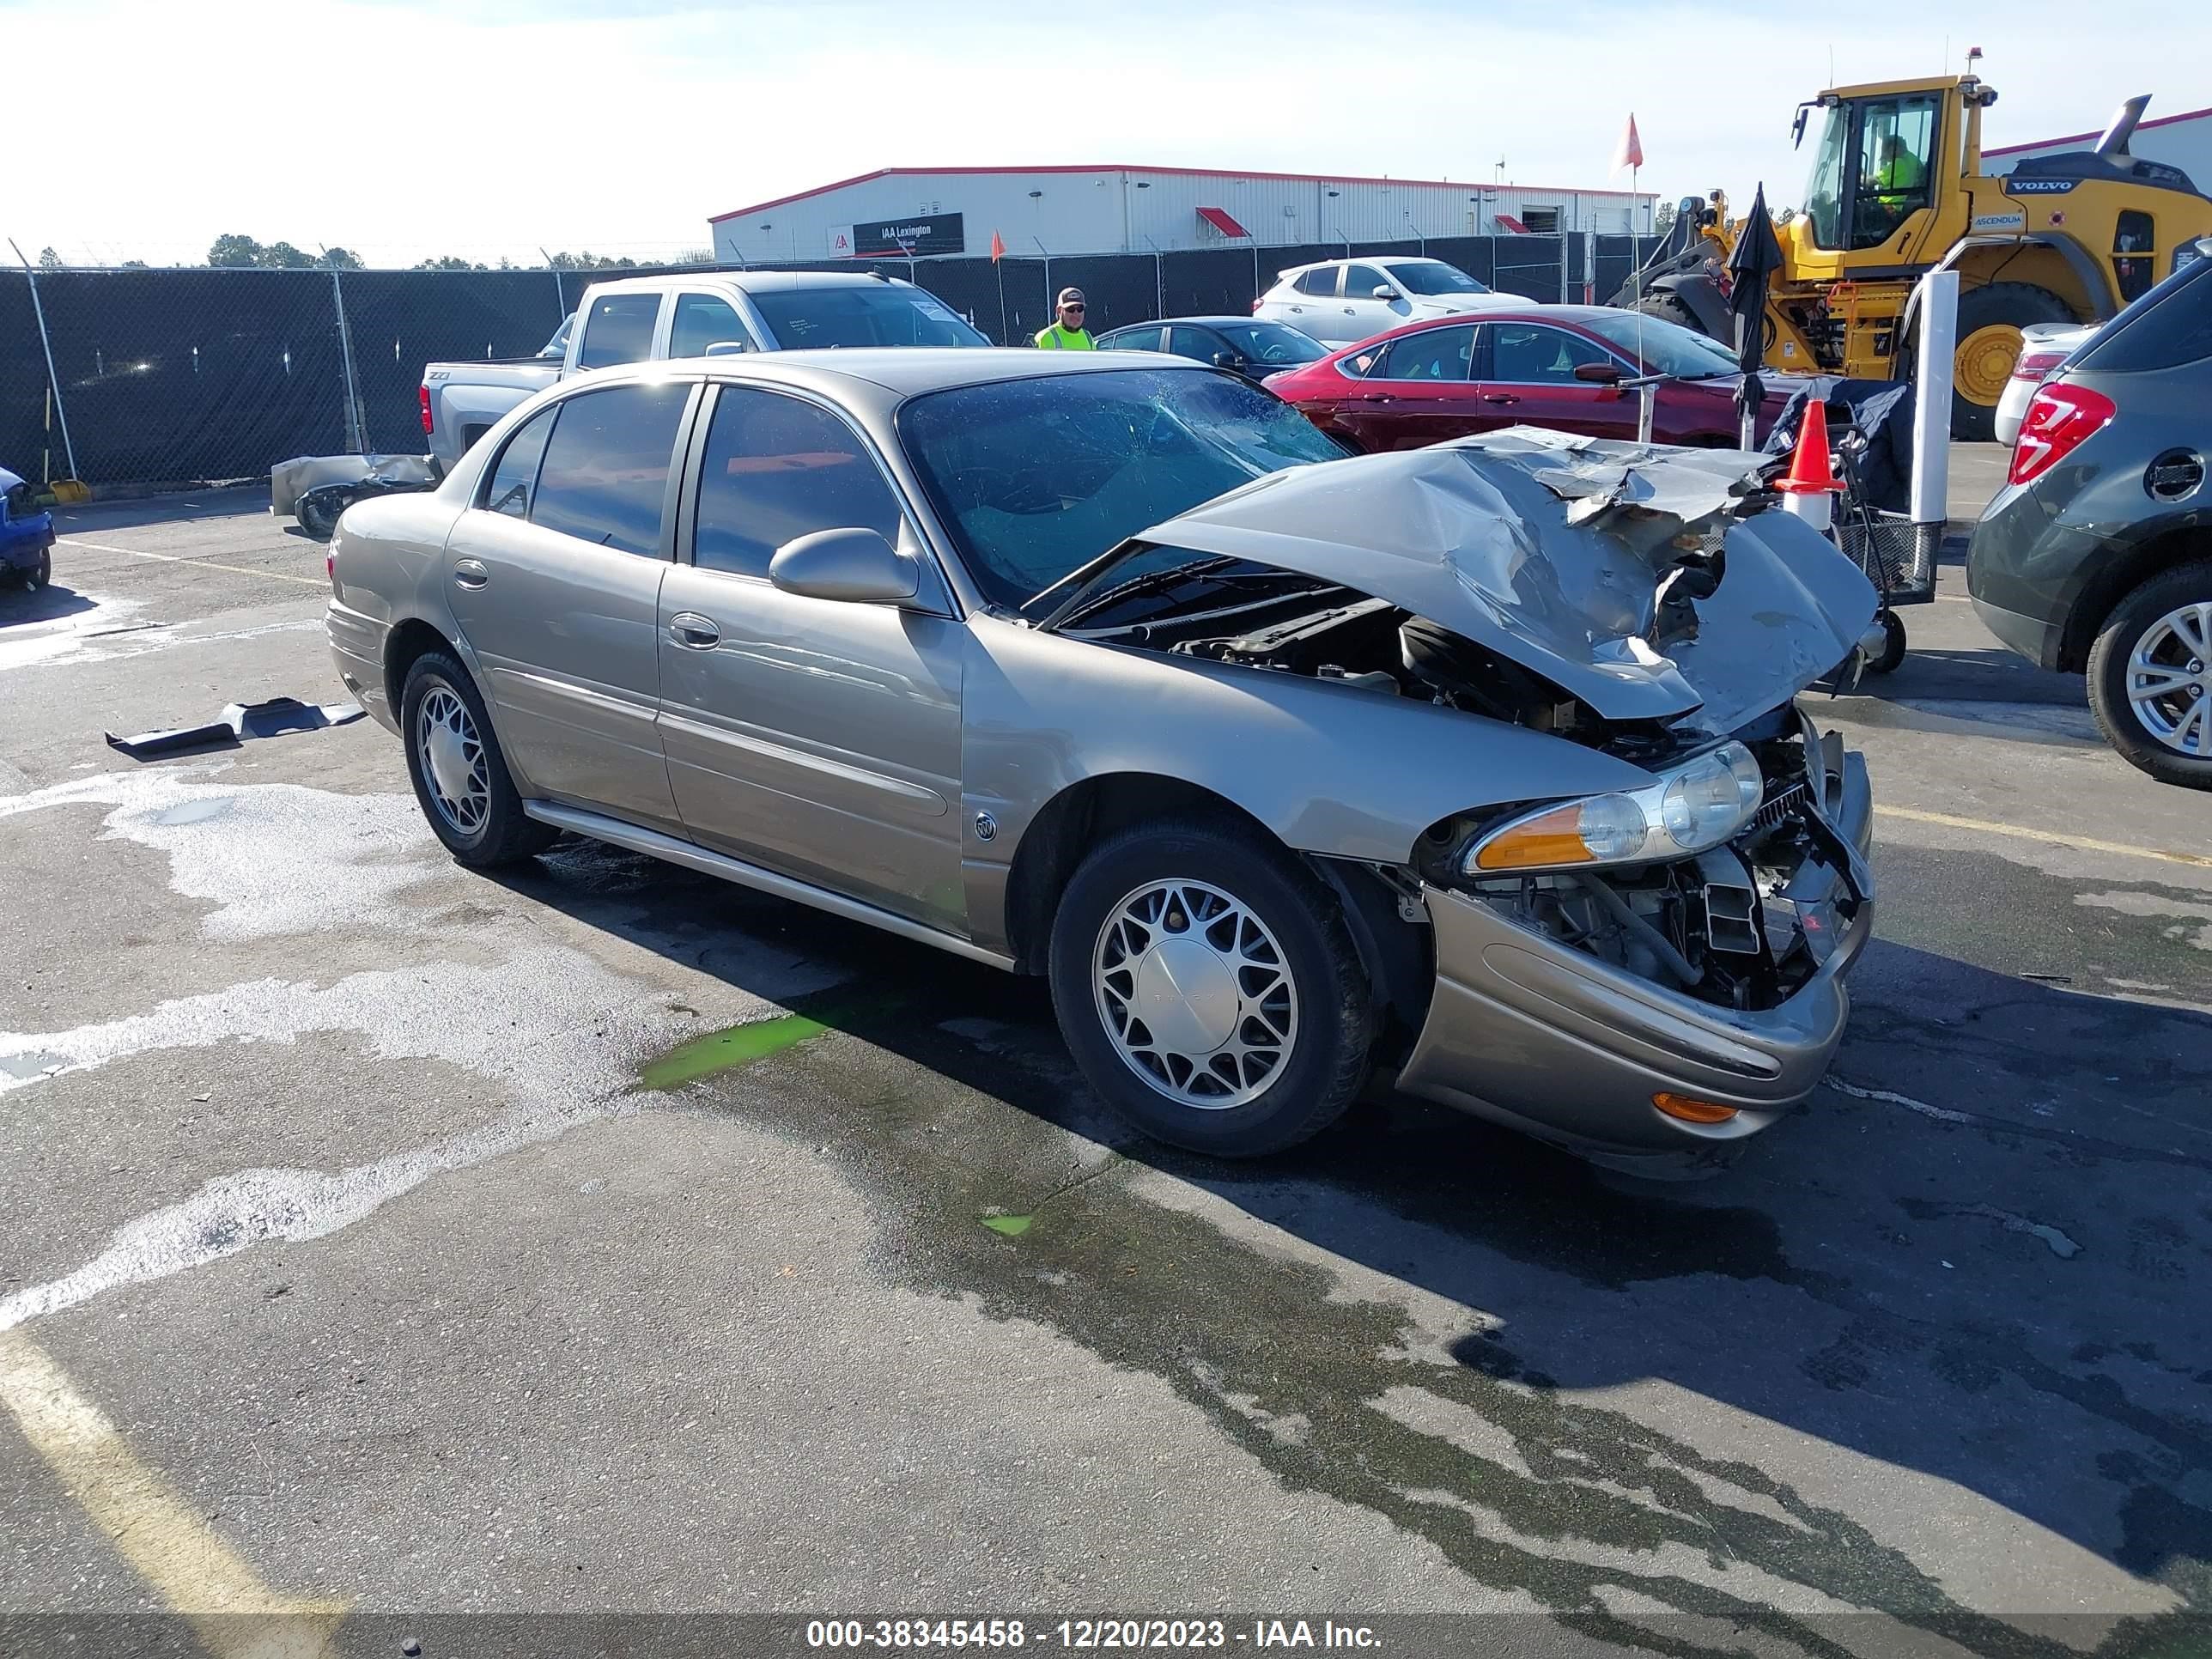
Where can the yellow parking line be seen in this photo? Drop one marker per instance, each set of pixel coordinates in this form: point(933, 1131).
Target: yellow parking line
point(179, 558)
point(2020, 832)
point(195, 1573)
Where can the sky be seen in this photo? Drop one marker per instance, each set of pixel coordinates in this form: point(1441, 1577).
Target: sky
point(402, 131)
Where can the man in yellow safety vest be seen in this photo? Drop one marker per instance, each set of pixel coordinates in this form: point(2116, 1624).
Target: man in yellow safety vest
point(1067, 333)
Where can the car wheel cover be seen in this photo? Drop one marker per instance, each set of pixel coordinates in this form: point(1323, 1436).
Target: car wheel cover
point(1195, 993)
point(454, 769)
point(2170, 680)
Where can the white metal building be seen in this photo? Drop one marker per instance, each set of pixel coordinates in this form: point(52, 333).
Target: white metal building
point(2183, 141)
point(1067, 211)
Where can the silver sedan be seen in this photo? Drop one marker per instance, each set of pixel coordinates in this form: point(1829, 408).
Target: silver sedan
point(1478, 765)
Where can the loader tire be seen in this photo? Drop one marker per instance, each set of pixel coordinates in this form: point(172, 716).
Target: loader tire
point(1990, 318)
point(1672, 309)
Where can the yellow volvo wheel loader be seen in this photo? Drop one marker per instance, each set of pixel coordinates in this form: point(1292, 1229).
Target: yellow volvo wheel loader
point(1896, 189)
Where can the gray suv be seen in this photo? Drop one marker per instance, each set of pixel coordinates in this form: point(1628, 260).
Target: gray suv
point(1480, 765)
point(2096, 554)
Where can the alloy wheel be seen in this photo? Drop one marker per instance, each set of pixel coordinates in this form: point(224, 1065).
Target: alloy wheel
point(1195, 993)
point(2170, 680)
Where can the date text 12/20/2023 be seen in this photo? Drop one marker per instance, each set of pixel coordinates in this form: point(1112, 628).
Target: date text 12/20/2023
point(1090, 1635)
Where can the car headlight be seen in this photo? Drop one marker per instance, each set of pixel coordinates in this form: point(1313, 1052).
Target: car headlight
point(1698, 805)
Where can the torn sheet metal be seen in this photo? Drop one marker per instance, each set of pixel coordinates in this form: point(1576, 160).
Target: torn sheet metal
point(237, 722)
point(290, 480)
point(1552, 550)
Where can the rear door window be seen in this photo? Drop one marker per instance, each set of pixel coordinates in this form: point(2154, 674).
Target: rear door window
point(1434, 353)
point(513, 478)
point(619, 330)
point(1131, 339)
point(606, 472)
point(777, 468)
point(1320, 282)
point(705, 319)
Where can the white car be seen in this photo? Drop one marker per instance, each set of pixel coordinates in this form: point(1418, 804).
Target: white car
point(2043, 347)
point(1339, 301)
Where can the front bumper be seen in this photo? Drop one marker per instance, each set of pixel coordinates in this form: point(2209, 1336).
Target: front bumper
point(1551, 1040)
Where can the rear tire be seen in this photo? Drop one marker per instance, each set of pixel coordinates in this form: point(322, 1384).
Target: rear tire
point(1674, 309)
point(1262, 1012)
point(459, 776)
point(2160, 628)
point(1990, 318)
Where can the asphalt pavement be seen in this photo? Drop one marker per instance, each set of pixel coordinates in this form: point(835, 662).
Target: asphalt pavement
point(383, 1243)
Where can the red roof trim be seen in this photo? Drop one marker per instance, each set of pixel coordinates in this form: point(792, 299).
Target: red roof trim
point(2091, 137)
point(1188, 172)
point(1512, 223)
point(1220, 220)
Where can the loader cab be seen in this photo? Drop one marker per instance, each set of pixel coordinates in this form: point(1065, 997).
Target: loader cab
point(1877, 156)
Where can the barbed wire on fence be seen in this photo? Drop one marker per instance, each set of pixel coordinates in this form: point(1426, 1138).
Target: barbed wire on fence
point(129, 375)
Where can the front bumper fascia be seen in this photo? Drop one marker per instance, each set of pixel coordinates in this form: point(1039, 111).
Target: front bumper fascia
point(1532, 1032)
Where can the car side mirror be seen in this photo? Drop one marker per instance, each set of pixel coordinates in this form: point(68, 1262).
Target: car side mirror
point(1599, 373)
point(1227, 360)
point(856, 565)
point(726, 348)
point(1386, 292)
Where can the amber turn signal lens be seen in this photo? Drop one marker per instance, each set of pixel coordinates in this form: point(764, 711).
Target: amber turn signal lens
point(1554, 839)
point(1692, 1111)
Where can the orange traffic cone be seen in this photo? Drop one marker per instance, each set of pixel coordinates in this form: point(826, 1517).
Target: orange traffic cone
point(1811, 480)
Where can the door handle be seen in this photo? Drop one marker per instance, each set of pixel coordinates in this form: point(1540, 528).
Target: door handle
point(1349, 312)
point(1499, 398)
point(1377, 397)
point(693, 631)
point(470, 573)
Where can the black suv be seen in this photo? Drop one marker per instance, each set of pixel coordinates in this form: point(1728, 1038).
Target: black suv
point(2096, 554)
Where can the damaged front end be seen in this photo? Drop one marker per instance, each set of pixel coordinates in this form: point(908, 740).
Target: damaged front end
point(1654, 968)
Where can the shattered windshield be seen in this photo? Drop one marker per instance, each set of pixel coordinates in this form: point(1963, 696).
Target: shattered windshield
point(1034, 478)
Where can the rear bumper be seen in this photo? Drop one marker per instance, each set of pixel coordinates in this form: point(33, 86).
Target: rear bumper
point(357, 652)
point(1549, 1039)
point(2033, 637)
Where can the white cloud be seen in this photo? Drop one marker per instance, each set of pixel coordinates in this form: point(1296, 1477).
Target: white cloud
point(401, 129)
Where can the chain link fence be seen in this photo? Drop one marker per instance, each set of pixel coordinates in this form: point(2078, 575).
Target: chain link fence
point(192, 375)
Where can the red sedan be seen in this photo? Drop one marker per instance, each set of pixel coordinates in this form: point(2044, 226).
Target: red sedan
point(1549, 366)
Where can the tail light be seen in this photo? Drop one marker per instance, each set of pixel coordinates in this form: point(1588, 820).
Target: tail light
point(422, 397)
point(2035, 364)
point(331, 570)
point(2058, 418)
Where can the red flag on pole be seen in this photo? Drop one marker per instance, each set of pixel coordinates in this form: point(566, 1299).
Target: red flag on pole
point(998, 247)
point(1631, 153)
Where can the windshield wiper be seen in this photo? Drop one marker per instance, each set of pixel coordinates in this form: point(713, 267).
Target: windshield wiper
point(1150, 583)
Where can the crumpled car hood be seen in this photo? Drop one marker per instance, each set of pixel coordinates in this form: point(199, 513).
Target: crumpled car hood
point(1552, 549)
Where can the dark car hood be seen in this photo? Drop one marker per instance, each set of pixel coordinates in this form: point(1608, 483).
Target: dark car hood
point(1552, 549)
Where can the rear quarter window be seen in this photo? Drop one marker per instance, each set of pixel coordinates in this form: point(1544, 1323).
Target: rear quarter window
point(2169, 326)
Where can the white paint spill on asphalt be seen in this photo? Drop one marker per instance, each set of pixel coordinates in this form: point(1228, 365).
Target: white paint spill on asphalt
point(70, 637)
point(1890, 1097)
point(274, 858)
point(2061, 1246)
point(558, 1034)
point(2191, 924)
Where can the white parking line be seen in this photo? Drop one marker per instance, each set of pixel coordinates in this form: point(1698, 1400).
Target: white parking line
point(179, 558)
point(151, 1526)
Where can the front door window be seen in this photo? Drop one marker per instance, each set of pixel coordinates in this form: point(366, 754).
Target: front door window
point(1896, 154)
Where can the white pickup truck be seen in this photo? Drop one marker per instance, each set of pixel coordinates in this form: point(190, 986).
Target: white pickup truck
point(705, 314)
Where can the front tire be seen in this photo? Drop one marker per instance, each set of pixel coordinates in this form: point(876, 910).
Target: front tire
point(460, 777)
point(1209, 990)
point(1990, 321)
point(2150, 677)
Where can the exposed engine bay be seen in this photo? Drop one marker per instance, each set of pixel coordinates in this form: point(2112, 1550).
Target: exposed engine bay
point(1741, 925)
